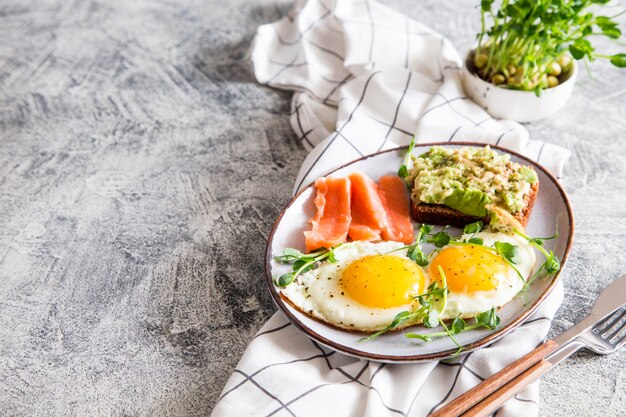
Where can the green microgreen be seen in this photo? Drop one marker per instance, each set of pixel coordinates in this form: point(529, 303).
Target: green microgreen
point(416, 255)
point(537, 240)
point(441, 298)
point(414, 251)
point(426, 229)
point(619, 60)
point(403, 172)
point(435, 310)
point(527, 41)
point(439, 239)
point(551, 265)
point(432, 305)
point(488, 319)
point(400, 318)
point(508, 251)
point(473, 228)
point(475, 241)
point(302, 262)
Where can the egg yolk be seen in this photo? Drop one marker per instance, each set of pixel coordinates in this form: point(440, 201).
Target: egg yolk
point(382, 281)
point(469, 268)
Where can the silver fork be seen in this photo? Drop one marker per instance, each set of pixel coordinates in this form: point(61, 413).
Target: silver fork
point(604, 337)
point(603, 331)
point(608, 335)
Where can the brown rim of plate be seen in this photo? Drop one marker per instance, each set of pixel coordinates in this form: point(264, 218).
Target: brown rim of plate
point(487, 340)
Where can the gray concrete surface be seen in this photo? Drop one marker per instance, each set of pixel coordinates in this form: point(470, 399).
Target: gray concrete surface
point(141, 168)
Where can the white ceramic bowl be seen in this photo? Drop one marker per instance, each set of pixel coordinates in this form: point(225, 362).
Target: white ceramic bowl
point(521, 106)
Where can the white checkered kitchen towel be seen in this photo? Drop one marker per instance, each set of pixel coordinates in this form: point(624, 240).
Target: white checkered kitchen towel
point(365, 79)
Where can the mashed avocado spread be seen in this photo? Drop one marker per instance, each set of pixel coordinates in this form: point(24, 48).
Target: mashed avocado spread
point(467, 179)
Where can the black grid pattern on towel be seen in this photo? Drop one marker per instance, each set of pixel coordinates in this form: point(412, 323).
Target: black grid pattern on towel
point(323, 354)
point(464, 365)
point(293, 61)
point(328, 91)
point(337, 134)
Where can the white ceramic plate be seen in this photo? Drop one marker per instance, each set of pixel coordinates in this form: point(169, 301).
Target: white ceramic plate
point(551, 210)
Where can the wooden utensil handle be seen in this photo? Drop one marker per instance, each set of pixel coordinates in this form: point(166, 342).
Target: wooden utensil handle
point(464, 402)
point(508, 390)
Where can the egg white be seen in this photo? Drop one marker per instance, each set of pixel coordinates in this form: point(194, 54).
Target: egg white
point(472, 304)
point(319, 294)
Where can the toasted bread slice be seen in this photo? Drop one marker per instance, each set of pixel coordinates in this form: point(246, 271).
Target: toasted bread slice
point(443, 215)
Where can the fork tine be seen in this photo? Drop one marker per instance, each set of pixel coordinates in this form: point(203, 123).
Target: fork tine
point(619, 343)
point(606, 322)
point(617, 326)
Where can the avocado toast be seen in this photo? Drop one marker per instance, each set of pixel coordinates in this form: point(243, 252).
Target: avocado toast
point(458, 186)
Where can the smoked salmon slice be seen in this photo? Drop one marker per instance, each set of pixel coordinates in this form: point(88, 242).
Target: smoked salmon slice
point(395, 200)
point(332, 217)
point(368, 213)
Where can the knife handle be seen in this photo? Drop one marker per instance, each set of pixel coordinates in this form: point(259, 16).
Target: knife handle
point(490, 404)
point(483, 390)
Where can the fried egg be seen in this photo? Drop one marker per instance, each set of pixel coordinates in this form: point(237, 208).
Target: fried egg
point(479, 279)
point(372, 282)
point(368, 286)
